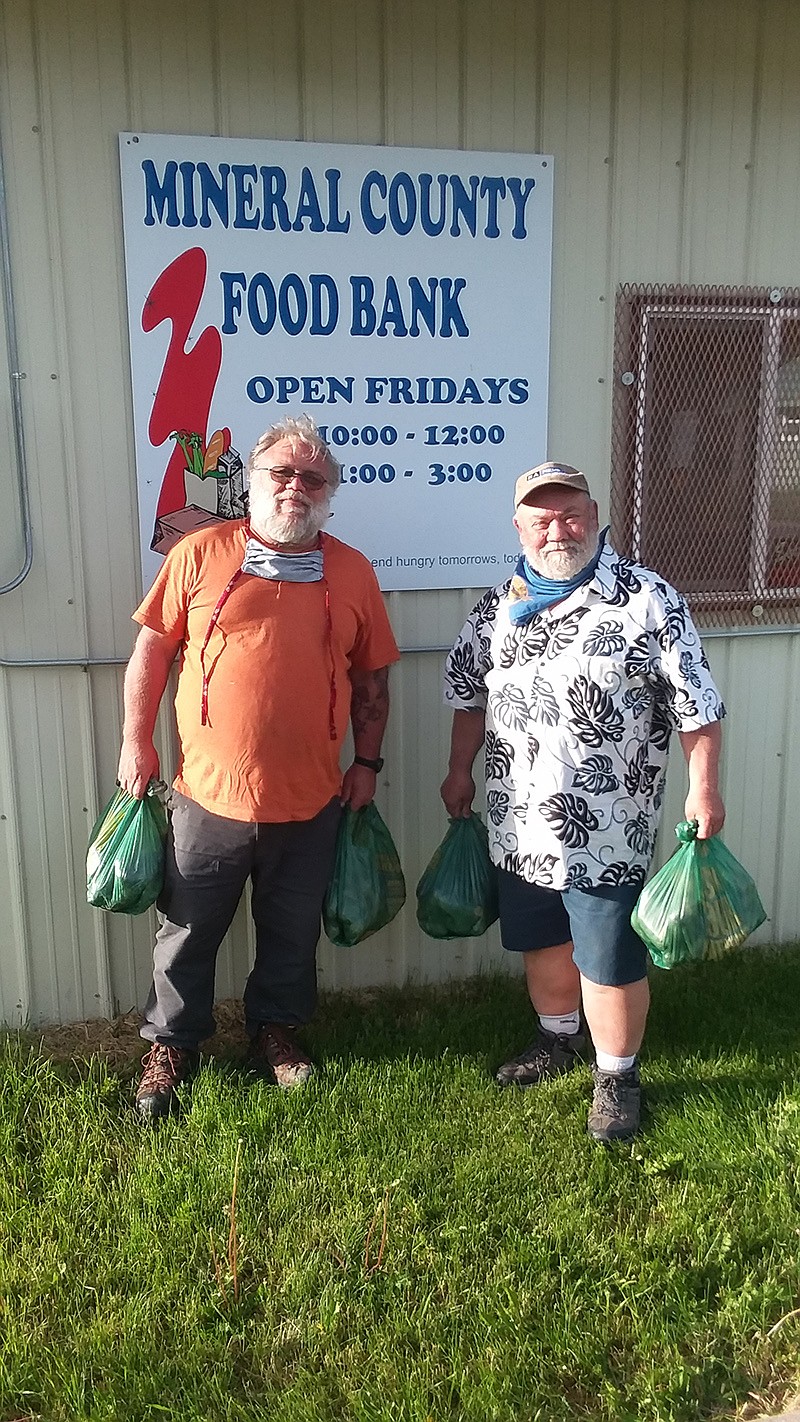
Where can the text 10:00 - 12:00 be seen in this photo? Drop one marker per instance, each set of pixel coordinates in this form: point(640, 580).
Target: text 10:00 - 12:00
point(340, 435)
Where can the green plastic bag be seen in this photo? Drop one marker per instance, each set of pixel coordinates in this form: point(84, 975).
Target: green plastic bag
point(702, 904)
point(457, 894)
point(367, 889)
point(125, 858)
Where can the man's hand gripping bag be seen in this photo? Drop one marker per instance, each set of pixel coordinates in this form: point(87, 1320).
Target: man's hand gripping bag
point(125, 858)
point(702, 904)
point(457, 894)
point(367, 889)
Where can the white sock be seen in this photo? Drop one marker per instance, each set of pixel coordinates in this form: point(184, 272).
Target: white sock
point(566, 1025)
point(615, 1065)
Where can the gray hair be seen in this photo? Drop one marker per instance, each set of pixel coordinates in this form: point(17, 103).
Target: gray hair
point(298, 429)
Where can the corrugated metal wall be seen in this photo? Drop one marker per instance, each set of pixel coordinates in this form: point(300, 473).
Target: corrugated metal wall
point(675, 125)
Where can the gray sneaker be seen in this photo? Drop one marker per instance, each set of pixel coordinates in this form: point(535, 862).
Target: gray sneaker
point(616, 1106)
point(547, 1056)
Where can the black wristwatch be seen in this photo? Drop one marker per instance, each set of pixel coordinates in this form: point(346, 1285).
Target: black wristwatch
point(375, 765)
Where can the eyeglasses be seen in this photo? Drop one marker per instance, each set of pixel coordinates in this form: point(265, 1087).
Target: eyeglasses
point(307, 477)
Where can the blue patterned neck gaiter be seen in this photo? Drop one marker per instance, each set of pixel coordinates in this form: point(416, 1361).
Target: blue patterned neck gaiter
point(530, 592)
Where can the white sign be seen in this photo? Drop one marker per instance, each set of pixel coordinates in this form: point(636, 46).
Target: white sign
point(400, 296)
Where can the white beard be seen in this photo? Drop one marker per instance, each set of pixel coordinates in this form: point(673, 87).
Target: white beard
point(291, 526)
point(564, 560)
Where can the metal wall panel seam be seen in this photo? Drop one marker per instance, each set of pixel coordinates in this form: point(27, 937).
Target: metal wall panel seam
point(300, 12)
point(753, 774)
point(784, 791)
point(216, 71)
point(16, 377)
point(35, 808)
point(460, 32)
point(776, 203)
point(686, 113)
point(16, 906)
point(53, 90)
point(58, 326)
point(611, 230)
point(720, 139)
point(100, 926)
point(577, 114)
point(383, 70)
point(68, 906)
point(755, 126)
point(400, 798)
point(611, 209)
point(787, 852)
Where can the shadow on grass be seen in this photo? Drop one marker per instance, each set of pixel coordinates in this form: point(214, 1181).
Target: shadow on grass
point(742, 1007)
point(745, 1003)
point(766, 1085)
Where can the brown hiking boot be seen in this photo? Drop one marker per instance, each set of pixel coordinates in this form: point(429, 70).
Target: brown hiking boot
point(547, 1056)
point(276, 1055)
point(164, 1070)
point(616, 1106)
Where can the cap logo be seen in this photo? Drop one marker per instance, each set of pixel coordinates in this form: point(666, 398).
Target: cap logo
point(550, 473)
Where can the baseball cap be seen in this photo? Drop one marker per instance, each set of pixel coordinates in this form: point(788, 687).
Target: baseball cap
point(550, 473)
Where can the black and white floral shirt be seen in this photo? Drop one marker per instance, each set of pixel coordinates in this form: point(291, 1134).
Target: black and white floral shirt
point(580, 704)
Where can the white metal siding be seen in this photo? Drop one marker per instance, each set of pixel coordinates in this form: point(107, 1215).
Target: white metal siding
point(675, 128)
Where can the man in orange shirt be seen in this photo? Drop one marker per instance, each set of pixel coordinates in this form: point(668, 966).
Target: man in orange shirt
point(283, 638)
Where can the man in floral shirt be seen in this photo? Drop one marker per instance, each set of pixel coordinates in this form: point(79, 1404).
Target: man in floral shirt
point(575, 673)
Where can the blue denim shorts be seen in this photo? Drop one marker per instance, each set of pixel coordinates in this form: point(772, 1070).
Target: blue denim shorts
point(605, 948)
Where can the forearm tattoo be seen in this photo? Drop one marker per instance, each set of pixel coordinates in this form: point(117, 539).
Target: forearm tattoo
point(370, 699)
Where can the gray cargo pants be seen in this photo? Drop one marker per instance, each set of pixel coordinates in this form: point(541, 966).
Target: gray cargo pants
point(209, 860)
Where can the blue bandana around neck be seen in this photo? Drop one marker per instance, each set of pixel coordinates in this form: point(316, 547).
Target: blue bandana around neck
point(530, 592)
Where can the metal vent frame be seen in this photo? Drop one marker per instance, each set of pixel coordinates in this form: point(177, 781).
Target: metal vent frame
point(705, 459)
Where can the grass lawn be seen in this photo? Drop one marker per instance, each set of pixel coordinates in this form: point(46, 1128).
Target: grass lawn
point(411, 1243)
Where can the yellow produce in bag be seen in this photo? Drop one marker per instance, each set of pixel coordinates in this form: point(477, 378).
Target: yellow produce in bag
point(125, 858)
point(702, 904)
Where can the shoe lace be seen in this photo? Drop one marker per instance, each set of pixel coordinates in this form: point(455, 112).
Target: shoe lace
point(536, 1052)
point(614, 1095)
point(542, 1047)
point(279, 1047)
point(162, 1067)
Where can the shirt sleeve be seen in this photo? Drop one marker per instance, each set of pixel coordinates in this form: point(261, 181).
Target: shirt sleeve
point(165, 607)
point(684, 684)
point(469, 658)
point(375, 645)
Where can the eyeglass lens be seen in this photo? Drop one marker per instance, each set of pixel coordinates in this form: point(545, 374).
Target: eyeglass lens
point(307, 478)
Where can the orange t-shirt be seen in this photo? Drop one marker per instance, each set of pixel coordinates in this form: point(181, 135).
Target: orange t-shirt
point(265, 754)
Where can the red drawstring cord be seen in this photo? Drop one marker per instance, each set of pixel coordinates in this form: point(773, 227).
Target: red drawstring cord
point(329, 631)
point(223, 598)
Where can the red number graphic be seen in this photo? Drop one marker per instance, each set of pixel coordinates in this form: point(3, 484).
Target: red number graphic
point(185, 390)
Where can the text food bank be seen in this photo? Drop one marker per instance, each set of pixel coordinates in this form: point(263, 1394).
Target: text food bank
point(296, 304)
